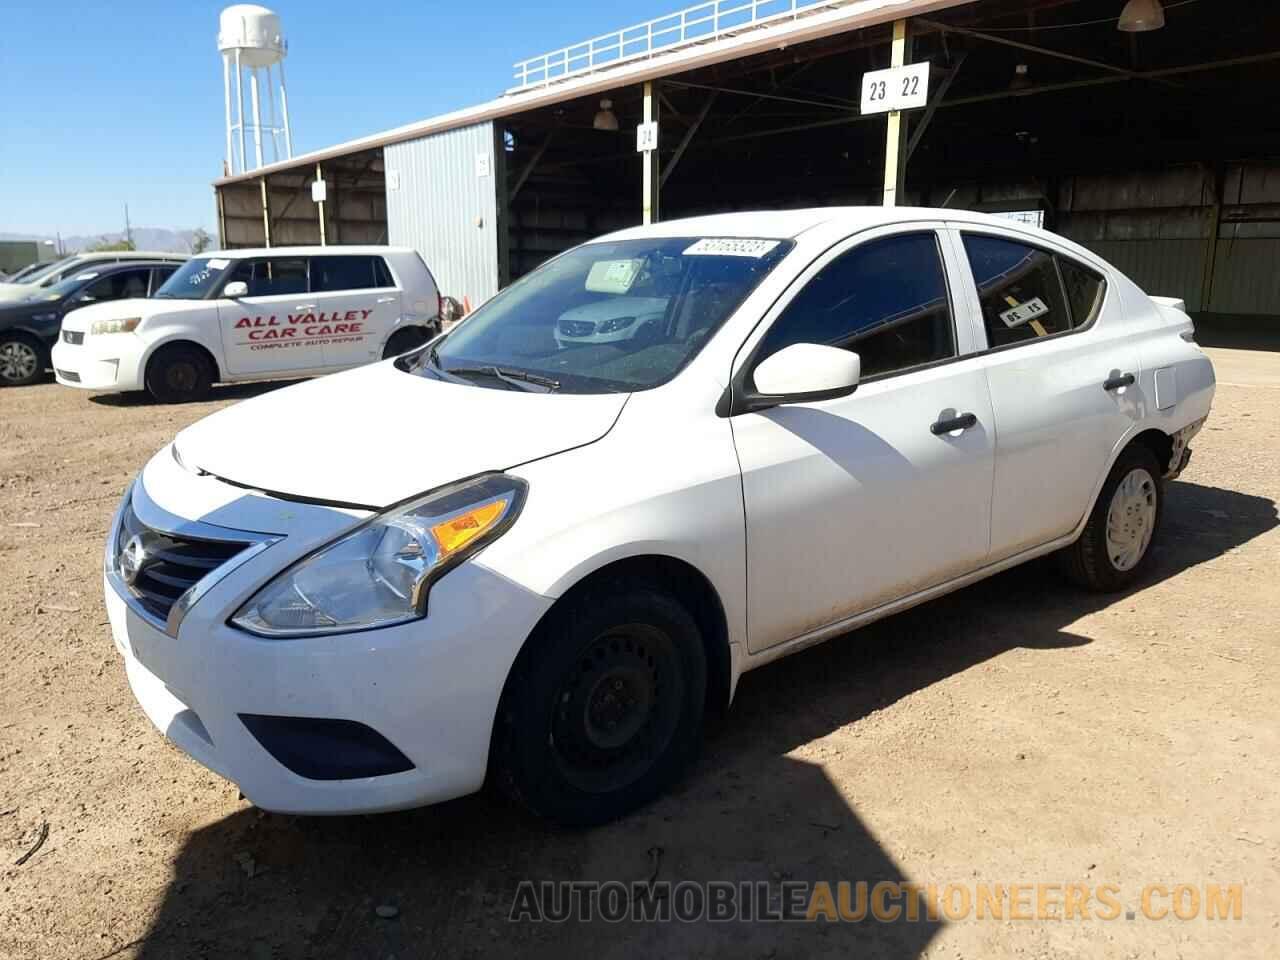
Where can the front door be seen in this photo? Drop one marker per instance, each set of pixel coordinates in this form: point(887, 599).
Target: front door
point(272, 328)
point(1052, 356)
point(852, 503)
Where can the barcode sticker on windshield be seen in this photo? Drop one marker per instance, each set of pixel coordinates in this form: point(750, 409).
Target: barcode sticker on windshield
point(730, 247)
point(218, 263)
point(612, 276)
point(1024, 312)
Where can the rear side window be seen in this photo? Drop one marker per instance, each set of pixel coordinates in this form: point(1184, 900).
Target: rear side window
point(1018, 286)
point(886, 300)
point(347, 273)
point(1084, 291)
point(159, 275)
point(277, 276)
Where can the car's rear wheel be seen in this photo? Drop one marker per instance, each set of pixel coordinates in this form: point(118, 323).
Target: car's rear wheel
point(179, 373)
point(604, 710)
point(22, 359)
point(1115, 547)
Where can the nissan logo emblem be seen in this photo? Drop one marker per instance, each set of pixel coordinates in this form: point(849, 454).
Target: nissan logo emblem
point(132, 557)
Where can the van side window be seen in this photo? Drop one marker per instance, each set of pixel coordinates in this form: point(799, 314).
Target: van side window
point(381, 275)
point(344, 273)
point(278, 276)
point(1085, 288)
point(885, 299)
point(1018, 285)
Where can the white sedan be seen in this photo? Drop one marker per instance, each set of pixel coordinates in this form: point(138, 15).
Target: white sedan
point(508, 554)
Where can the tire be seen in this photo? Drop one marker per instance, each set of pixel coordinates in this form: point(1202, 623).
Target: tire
point(179, 373)
point(1133, 498)
point(402, 341)
point(23, 359)
point(604, 709)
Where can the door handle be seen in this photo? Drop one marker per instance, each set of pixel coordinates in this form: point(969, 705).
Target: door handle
point(386, 300)
point(962, 422)
point(1115, 383)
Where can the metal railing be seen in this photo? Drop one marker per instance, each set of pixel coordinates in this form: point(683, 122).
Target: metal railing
point(698, 24)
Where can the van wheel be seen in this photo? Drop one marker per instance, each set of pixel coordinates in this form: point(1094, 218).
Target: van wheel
point(179, 373)
point(22, 359)
point(1115, 547)
point(402, 341)
point(604, 710)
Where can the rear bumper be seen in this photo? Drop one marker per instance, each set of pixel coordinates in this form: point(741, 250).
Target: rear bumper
point(104, 364)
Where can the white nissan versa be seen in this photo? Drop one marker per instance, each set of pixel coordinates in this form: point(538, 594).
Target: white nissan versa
point(510, 553)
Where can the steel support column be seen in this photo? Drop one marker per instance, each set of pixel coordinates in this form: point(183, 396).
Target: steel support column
point(652, 178)
point(895, 146)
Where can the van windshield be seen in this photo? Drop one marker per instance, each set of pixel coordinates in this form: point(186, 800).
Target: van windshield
point(194, 280)
point(605, 317)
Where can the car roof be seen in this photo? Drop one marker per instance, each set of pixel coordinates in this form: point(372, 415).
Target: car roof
point(89, 255)
point(100, 269)
point(789, 224)
point(336, 250)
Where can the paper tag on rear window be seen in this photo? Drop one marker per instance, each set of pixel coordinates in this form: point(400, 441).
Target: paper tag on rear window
point(730, 247)
point(218, 264)
point(612, 276)
point(1024, 312)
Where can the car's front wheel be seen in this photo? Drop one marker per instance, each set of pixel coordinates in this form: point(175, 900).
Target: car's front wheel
point(22, 359)
point(179, 373)
point(604, 710)
point(1114, 549)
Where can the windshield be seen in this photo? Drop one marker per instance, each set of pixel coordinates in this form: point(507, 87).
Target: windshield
point(605, 317)
point(194, 280)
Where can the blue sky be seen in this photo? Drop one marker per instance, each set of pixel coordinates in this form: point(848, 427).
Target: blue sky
point(108, 103)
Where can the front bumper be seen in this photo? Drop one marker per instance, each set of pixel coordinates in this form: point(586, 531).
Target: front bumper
point(105, 364)
point(430, 688)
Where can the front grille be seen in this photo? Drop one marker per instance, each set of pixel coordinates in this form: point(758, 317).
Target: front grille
point(158, 568)
point(577, 328)
point(73, 336)
point(68, 375)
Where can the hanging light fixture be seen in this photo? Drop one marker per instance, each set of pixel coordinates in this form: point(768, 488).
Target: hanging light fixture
point(605, 119)
point(1139, 16)
point(1021, 80)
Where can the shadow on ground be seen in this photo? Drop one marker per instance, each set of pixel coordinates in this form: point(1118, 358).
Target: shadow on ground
point(220, 392)
point(749, 812)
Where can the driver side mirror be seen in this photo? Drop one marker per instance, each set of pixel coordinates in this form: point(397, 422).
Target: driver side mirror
point(235, 289)
point(802, 373)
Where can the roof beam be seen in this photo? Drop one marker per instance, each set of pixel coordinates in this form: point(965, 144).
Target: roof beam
point(688, 136)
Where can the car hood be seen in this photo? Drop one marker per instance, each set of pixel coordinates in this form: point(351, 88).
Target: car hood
point(377, 435)
point(10, 292)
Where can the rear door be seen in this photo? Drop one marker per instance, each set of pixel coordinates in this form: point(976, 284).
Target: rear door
point(359, 306)
point(273, 328)
point(1057, 360)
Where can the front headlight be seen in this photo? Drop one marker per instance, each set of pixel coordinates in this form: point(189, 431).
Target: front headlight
point(379, 574)
point(127, 325)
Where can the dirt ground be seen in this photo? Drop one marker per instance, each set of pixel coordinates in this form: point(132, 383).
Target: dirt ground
point(1017, 732)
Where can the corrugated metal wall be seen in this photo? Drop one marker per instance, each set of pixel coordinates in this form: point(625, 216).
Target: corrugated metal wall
point(1159, 228)
point(442, 200)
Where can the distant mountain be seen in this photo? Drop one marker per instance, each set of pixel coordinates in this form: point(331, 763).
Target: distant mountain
point(158, 239)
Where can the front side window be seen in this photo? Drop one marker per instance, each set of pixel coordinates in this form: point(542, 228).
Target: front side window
point(344, 273)
point(1018, 286)
point(885, 300)
point(606, 317)
point(274, 277)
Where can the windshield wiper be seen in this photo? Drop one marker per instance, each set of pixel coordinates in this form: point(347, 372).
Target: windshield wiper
point(514, 378)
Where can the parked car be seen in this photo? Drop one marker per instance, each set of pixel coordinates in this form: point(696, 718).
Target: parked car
point(30, 328)
point(506, 556)
point(255, 315)
point(45, 275)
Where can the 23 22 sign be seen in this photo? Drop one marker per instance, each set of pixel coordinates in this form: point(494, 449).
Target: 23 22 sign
point(898, 88)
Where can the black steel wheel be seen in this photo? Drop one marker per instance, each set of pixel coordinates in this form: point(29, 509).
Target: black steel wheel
point(179, 373)
point(604, 710)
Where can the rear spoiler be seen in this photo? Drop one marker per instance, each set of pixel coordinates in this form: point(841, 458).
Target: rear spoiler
point(1173, 302)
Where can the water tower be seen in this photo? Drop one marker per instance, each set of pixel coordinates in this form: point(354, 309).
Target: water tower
point(251, 41)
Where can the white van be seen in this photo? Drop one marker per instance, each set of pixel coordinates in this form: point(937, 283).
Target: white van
point(240, 315)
